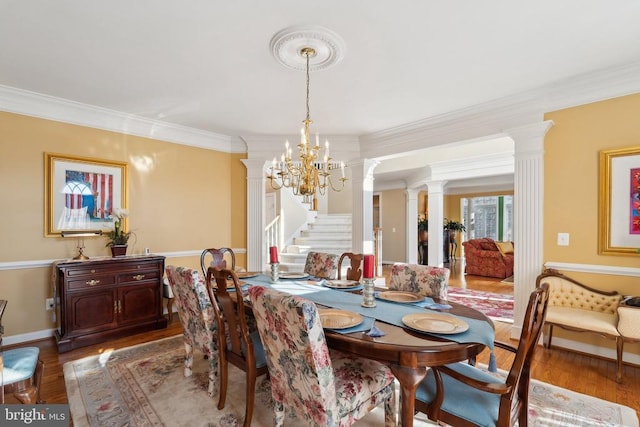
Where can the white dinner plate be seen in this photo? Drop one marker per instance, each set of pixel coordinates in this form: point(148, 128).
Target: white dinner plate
point(436, 323)
point(293, 275)
point(400, 296)
point(332, 318)
point(341, 284)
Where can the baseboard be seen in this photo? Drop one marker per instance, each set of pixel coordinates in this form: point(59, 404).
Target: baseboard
point(31, 336)
point(597, 351)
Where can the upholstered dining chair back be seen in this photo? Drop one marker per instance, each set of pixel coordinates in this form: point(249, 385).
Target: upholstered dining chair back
point(423, 280)
point(321, 388)
point(240, 344)
point(20, 371)
point(217, 257)
point(322, 265)
point(462, 395)
point(199, 326)
point(354, 271)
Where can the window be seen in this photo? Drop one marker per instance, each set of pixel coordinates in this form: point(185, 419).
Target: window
point(490, 216)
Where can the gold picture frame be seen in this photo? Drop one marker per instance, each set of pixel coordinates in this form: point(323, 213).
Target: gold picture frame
point(617, 234)
point(82, 192)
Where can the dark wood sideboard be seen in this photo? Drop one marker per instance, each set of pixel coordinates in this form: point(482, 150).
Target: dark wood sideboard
point(105, 298)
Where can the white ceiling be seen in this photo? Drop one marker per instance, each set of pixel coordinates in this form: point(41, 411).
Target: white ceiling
point(206, 64)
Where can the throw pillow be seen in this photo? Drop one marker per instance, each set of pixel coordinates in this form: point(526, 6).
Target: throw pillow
point(487, 245)
point(505, 248)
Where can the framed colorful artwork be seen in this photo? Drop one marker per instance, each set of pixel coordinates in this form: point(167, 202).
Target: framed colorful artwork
point(81, 193)
point(619, 216)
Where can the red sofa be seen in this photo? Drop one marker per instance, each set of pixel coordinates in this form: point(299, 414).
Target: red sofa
point(483, 258)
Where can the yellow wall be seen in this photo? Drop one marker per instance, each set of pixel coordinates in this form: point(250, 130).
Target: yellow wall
point(571, 178)
point(181, 198)
point(393, 207)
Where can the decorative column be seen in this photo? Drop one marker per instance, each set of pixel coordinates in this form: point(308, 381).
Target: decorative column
point(411, 221)
point(256, 181)
point(362, 216)
point(436, 220)
point(528, 214)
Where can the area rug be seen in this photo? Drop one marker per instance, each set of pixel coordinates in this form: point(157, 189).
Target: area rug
point(495, 306)
point(144, 385)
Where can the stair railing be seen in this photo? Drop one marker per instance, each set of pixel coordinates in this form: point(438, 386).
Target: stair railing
point(377, 239)
point(273, 233)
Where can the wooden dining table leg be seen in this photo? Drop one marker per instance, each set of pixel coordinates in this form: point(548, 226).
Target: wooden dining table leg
point(409, 378)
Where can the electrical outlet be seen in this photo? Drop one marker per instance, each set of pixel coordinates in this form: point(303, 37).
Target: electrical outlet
point(48, 304)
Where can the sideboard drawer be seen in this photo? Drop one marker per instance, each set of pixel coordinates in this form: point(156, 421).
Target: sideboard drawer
point(137, 276)
point(91, 281)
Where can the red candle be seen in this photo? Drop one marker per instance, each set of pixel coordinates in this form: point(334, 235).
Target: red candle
point(368, 267)
point(273, 254)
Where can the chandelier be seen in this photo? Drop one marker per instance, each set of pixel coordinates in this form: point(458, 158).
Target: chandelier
point(306, 176)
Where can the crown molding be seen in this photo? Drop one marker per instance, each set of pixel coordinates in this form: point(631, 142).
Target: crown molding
point(475, 167)
point(493, 117)
point(62, 110)
point(479, 121)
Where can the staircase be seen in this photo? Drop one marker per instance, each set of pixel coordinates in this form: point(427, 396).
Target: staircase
point(329, 233)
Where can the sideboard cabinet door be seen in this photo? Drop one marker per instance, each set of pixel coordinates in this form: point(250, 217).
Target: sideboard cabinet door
point(105, 298)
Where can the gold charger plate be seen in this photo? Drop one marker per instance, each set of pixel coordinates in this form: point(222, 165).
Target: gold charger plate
point(400, 296)
point(246, 274)
point(436, 323)
point(341, 284)
point(293, 275)
point(339, 319)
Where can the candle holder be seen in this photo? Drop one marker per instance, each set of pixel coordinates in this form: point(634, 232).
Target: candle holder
point(368, 299)
point(275, 274)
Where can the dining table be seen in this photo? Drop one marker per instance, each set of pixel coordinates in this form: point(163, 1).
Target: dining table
point(408, 351)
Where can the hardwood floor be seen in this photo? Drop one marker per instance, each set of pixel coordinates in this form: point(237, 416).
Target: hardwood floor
point(578, 372)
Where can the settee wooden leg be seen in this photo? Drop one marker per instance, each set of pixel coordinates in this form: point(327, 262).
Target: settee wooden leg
point(619, 352)
point(546, 338)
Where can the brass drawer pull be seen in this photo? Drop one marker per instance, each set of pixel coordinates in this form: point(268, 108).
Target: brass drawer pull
point(139, 276)
point(92, 282)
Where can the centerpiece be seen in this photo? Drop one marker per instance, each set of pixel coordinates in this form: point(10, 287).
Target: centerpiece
point(118, 237)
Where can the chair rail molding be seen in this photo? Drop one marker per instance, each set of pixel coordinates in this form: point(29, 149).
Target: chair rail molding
point(594, 268)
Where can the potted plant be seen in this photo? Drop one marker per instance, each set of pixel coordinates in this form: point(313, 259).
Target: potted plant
point(118, 238)
point(423, 228)
point(453, 227)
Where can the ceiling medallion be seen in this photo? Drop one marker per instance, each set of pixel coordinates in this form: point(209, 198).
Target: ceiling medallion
point(286, 47)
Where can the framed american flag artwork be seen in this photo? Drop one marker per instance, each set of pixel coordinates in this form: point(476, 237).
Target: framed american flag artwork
point(81, 193)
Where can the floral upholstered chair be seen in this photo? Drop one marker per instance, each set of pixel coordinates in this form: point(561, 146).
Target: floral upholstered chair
point(322, 389)
point(198, 319)
point(423, 280)
point(322, 265)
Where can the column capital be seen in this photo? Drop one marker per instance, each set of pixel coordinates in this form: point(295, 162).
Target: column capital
point(255, 167)
point(529, 138)
point(435, 187)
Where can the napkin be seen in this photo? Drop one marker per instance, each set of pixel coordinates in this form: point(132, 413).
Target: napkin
point(375, 332)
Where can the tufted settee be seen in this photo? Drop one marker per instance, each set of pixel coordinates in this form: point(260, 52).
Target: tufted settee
point(483, 258)
point(579, 308)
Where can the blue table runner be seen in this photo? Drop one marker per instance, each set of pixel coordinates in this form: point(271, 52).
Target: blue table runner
point(479, 331)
